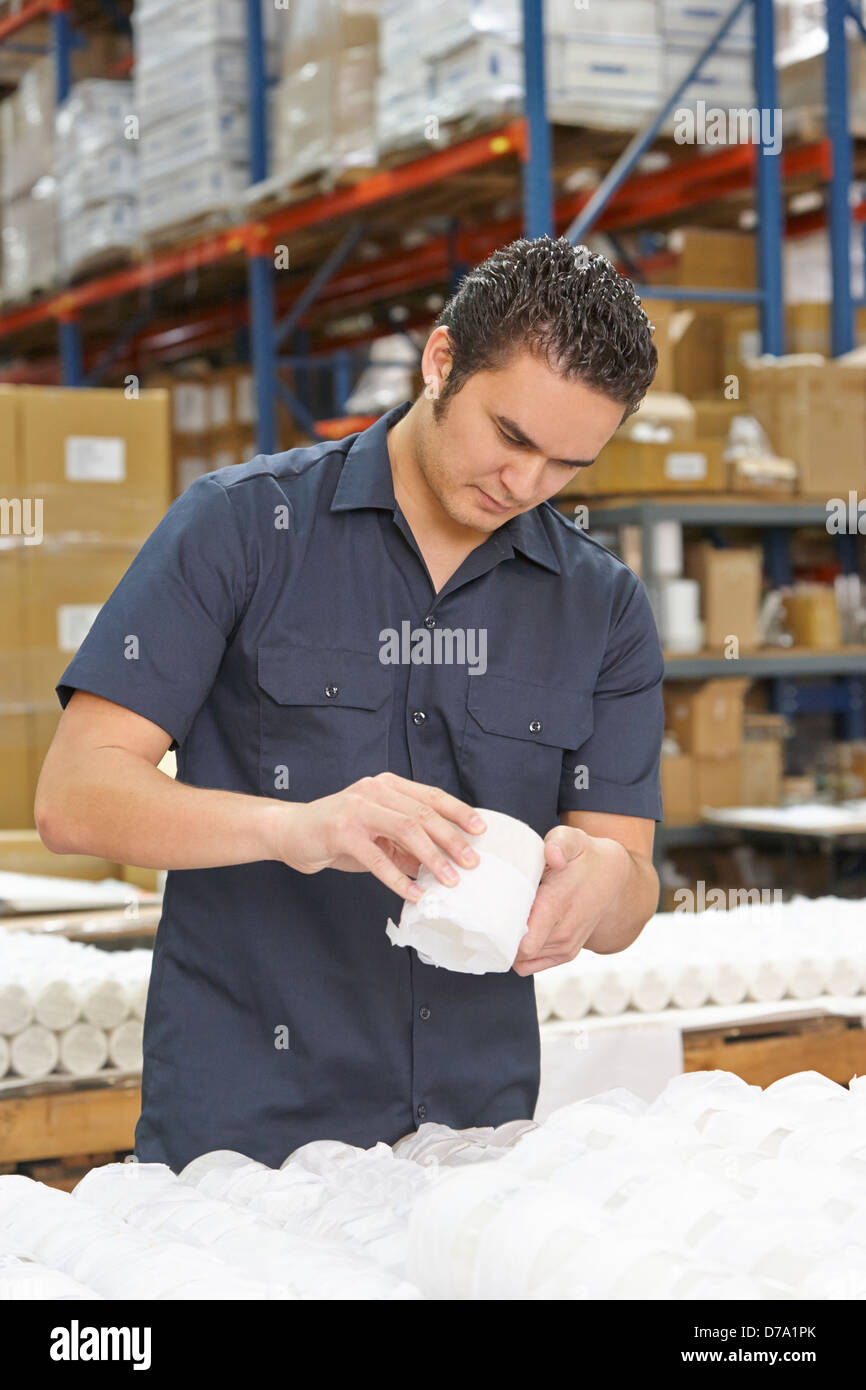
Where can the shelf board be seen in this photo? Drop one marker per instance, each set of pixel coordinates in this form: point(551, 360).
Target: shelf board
point(775, 661)
point(722, 509)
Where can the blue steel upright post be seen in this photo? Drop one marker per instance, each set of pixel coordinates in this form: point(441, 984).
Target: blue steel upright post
point(537, 180)
point(260, 265)
point(769, 190)
point(69, 333)
point(836, 93)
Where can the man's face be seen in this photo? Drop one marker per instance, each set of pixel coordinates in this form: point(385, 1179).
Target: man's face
point(511, 438)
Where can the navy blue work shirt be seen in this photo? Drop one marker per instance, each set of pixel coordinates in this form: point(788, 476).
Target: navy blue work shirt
point(286, 638)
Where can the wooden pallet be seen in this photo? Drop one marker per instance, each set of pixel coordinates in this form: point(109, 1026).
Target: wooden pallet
point(42, 1122)
point(762, 1053)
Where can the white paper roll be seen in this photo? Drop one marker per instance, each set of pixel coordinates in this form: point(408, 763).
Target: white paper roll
point(124, 1045)
point(477, 925)
point(83, 1049)
point(16, 1007)
point(34, 1052)
point(679, 614)
point(56, 1004)
point(608, 992)
point(104, 1003)
point(572, 992)
point(667, 548)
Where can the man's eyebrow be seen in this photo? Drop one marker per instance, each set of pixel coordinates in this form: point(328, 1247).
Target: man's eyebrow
point(513, 428)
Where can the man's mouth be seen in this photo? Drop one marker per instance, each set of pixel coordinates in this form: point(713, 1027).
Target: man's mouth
point(492, 504)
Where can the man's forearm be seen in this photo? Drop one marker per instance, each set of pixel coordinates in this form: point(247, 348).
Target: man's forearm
point(122, 808)
point(632, 908)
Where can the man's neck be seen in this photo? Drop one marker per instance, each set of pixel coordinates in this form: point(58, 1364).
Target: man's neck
point(427, 518)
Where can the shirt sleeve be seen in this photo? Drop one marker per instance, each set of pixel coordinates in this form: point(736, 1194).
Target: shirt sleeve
point(156, 644)
point(617, 768)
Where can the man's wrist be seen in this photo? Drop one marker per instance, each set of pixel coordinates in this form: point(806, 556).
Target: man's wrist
point(279, 829)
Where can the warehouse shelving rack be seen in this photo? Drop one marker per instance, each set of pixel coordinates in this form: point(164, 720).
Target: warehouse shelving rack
point(264, 317)
point(329, 226)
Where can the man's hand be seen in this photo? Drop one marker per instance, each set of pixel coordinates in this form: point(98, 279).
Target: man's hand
point(583, 878)
point(384, 825)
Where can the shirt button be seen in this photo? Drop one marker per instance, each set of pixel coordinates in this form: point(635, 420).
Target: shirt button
point(332, 691)
point(422, 1112)
point(424, 1012)
point(535, 726)
point(418, 717)
point(430, 621)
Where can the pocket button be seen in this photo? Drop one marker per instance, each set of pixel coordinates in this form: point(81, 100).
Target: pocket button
point(535, 726)
point(332, 691)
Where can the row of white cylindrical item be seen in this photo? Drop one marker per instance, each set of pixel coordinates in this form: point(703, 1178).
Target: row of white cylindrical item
point(69, 1006)
point(79, 1050)
point(801, 949)
point(716, 1190)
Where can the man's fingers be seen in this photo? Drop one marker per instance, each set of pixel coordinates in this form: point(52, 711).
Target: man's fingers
point(440, 830)
point(449, 807)
point(374, 858)
point(532, 967)
point(567, 841)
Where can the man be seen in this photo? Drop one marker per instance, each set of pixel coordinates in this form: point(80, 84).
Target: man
point(351, 646)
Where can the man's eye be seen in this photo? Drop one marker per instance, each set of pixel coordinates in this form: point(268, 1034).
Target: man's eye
point(517, 443)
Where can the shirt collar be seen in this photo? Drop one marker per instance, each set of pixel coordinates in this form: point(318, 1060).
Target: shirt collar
point(366, 481)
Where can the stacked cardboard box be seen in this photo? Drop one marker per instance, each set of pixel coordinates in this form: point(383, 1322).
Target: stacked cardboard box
point(730, 579)
point(191, 99)
point(213, 420)
point(706, 719)
point(28, 206)
point(814, 412)
point(96, 171)
point(92, 467)
point(324, 110)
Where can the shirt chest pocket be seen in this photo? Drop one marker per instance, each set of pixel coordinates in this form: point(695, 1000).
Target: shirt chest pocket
point(324, 718)
point(515, 739)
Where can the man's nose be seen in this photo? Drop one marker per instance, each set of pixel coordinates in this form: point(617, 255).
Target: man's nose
point(523, 483)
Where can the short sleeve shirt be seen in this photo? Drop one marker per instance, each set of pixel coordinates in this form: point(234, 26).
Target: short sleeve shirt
point(280, 625)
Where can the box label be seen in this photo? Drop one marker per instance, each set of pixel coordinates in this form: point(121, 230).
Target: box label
point(95, 459)
point(686, 465)
point(74, 621)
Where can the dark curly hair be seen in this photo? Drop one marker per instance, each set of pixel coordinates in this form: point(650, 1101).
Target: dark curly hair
point(562, 302)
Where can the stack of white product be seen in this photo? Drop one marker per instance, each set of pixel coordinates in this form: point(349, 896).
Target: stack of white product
point(801, 949)
point(191, 95)
point(443, 60)
point(608, 65)
point(96, 143)
point(27, 186)
point(323, 114)
point(716, 1190)
point(69, 1007)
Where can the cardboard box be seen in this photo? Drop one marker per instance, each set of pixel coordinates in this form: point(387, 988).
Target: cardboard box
point(18, 783)
point(718, 781)
point(713, 416)
point(10, 453)
point(814, 413)
point(707, 716)
point(667, 410)
point(626, 466)
point(763, 767)
point(22, 852)
point(65, 585)
point(662, 315)
point(13, 684)
point(100, 461)
point(812, 616)
point(678, 789)
point(731, 581)
point(711, 259)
